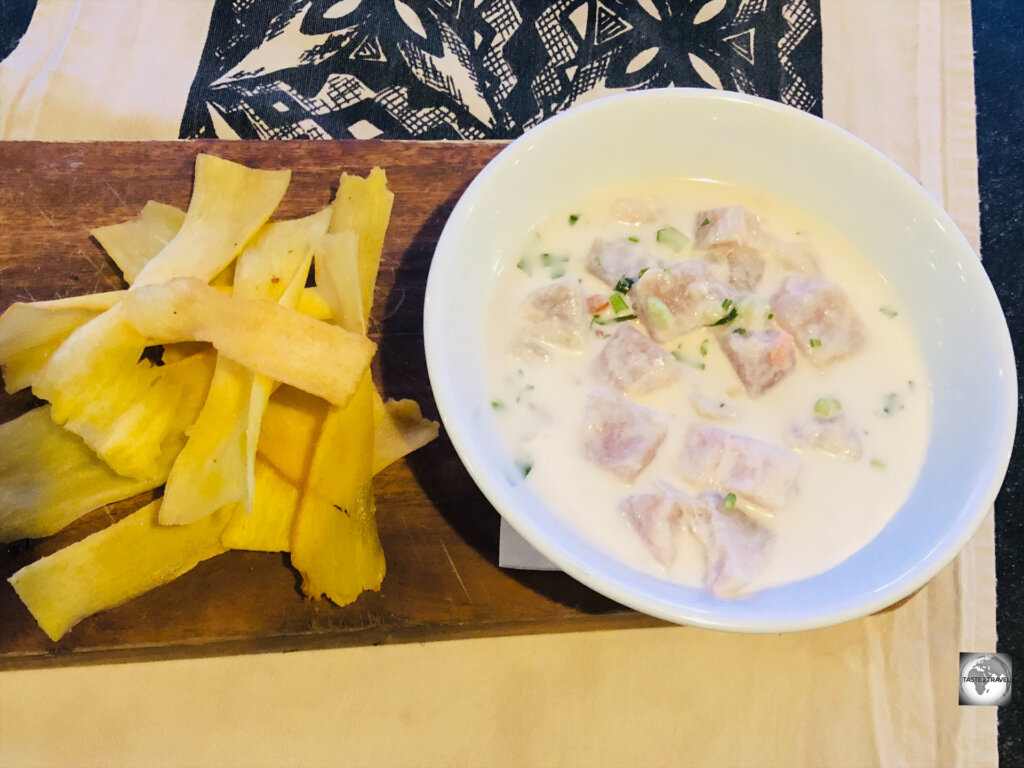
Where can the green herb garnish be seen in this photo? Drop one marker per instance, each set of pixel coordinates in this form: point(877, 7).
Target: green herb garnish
point(633, 239)
point(815, 342)
point(624, 284)
point(705, 222)
point(729, 501)
point(877, 463)
point(727, 319)
point(888, 311)
point(573, 218)
point(704, 348)
point(598, 320)
point(827, 407)
point(727, 303)
point(618, 302)
point(771, 315)
point(525, 467)
point(497, 405)
point(741, 331)
point(893, 404)
point(526, 265)
point(642, 272)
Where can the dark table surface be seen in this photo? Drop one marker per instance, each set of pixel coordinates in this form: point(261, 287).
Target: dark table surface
point(999, 85)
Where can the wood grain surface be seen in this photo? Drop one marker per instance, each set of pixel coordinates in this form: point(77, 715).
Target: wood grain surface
point(439, 533)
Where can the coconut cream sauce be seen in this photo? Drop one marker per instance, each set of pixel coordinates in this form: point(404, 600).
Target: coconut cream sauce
point(840, 504)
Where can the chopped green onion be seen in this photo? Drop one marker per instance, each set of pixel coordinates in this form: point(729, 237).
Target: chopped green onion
point(673, 238)
point(704, 348)
point(633, 239)
point(624, 284)
point(729, 501)
point(660, 314)
point(557, 272)
point(526, 265)
point(888, 311)
point(705, 222)
point(815, 342)
point(877, 463)
point(827, 407)
point(642, 272)
point(726, 319)
point(573, 218)
point(497, 405)
point(893, 404)
point(771, 315)
point(741, 331)
point(598, 320)
point(726, 303)
point(677, 353)
point(525, 467)
point(618, 302)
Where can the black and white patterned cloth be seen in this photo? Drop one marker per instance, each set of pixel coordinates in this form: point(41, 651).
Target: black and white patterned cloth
point(481, 69)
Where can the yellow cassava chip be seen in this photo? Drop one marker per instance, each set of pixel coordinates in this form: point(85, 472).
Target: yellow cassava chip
point(334, 543)
point(134, 242)
point(229, 203)
point(337, 276)
point(30, 332)
point(265, 337)
point(99, 389)
point(210, 470)
point(114, 565)
point(269, 527)
point(363, 206)
point(399, 429)
point(49, 477)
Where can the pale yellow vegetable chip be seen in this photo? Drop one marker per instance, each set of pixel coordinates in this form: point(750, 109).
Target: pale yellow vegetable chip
point(399, 429)
point(99, 389)
point(134, 242)
point(112, 566)
point(29, 333)
point(334, 543)
point(337, 275)
point(49, 477)
point(210, 470)
point(228, 206)
point(269, 527)
point(265, 337)
point(363, 206)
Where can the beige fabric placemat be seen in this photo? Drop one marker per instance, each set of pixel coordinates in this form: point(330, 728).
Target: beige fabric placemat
point(880, 691)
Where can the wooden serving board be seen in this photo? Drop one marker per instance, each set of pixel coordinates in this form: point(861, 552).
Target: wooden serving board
point(439, 533)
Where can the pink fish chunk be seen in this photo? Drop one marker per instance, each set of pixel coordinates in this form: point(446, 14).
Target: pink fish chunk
point(611, 260)
point(655, 517)
point(732, 225)
point(833, 436)
point(746, 268)
point(759, 471)
point(736, 548)
point(633, 364)
point(820, 318)
point(678, 299)
point(619, 435)
point(760, 358)
point(554, 315)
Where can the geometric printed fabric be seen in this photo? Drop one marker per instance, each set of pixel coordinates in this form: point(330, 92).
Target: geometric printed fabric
point(481, 69)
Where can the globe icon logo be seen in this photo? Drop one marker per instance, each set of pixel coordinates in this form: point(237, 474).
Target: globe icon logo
point(985, 679)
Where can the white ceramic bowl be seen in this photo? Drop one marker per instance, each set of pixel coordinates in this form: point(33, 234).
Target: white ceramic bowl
point(831, 175)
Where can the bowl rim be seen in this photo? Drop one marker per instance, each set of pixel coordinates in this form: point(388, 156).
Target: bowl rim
point(458, 433)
